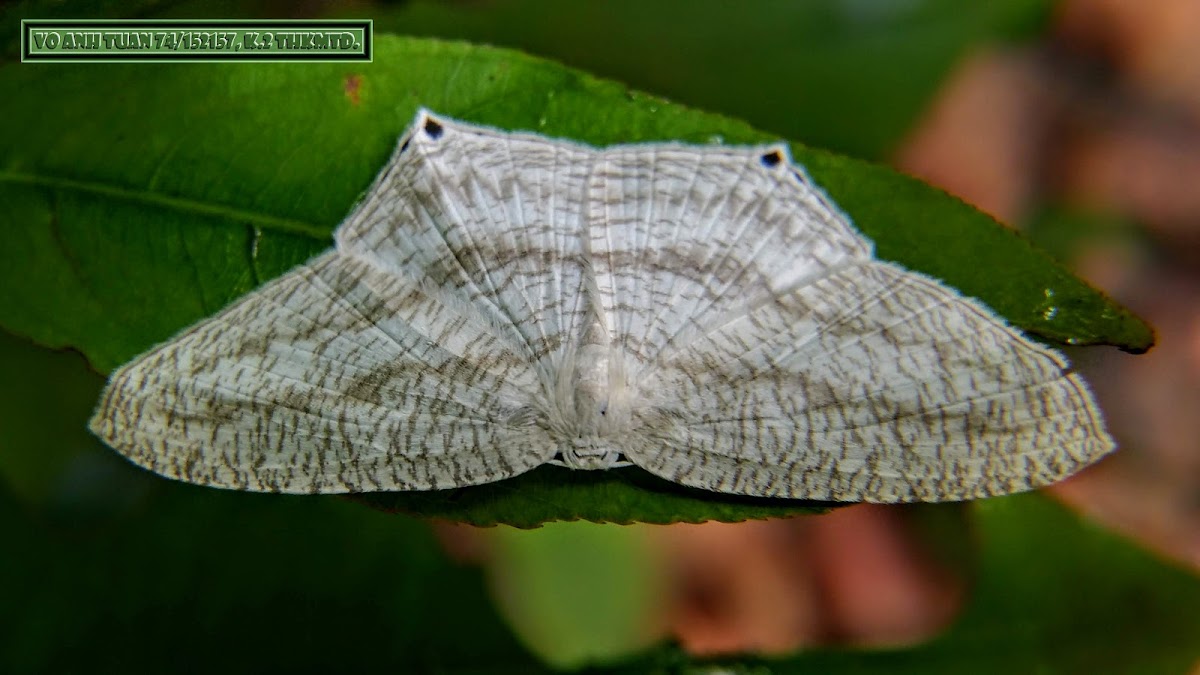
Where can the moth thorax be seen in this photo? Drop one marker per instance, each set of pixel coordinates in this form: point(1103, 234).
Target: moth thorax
point(601, 392)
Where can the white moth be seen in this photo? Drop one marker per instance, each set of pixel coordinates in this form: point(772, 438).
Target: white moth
point(498, 301)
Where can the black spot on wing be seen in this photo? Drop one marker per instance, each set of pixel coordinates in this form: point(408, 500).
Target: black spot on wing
point(771, 159)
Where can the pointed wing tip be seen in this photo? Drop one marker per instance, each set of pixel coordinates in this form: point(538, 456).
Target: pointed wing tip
point(99, 426)
point(432, 124)
point(421, 115)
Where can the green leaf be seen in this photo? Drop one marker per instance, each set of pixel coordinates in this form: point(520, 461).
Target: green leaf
point(849, 75)
point(960, 245)
point(140, 199)
point(1065, 232)
point(624, 496)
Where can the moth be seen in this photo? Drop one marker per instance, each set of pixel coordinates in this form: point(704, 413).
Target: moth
point(498, 301)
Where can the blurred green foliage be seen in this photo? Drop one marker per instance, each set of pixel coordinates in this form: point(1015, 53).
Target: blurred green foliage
point(580, 593)
point(1052, 594)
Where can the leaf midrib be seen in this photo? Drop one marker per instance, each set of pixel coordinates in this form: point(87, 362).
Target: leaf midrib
point(258, 219)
